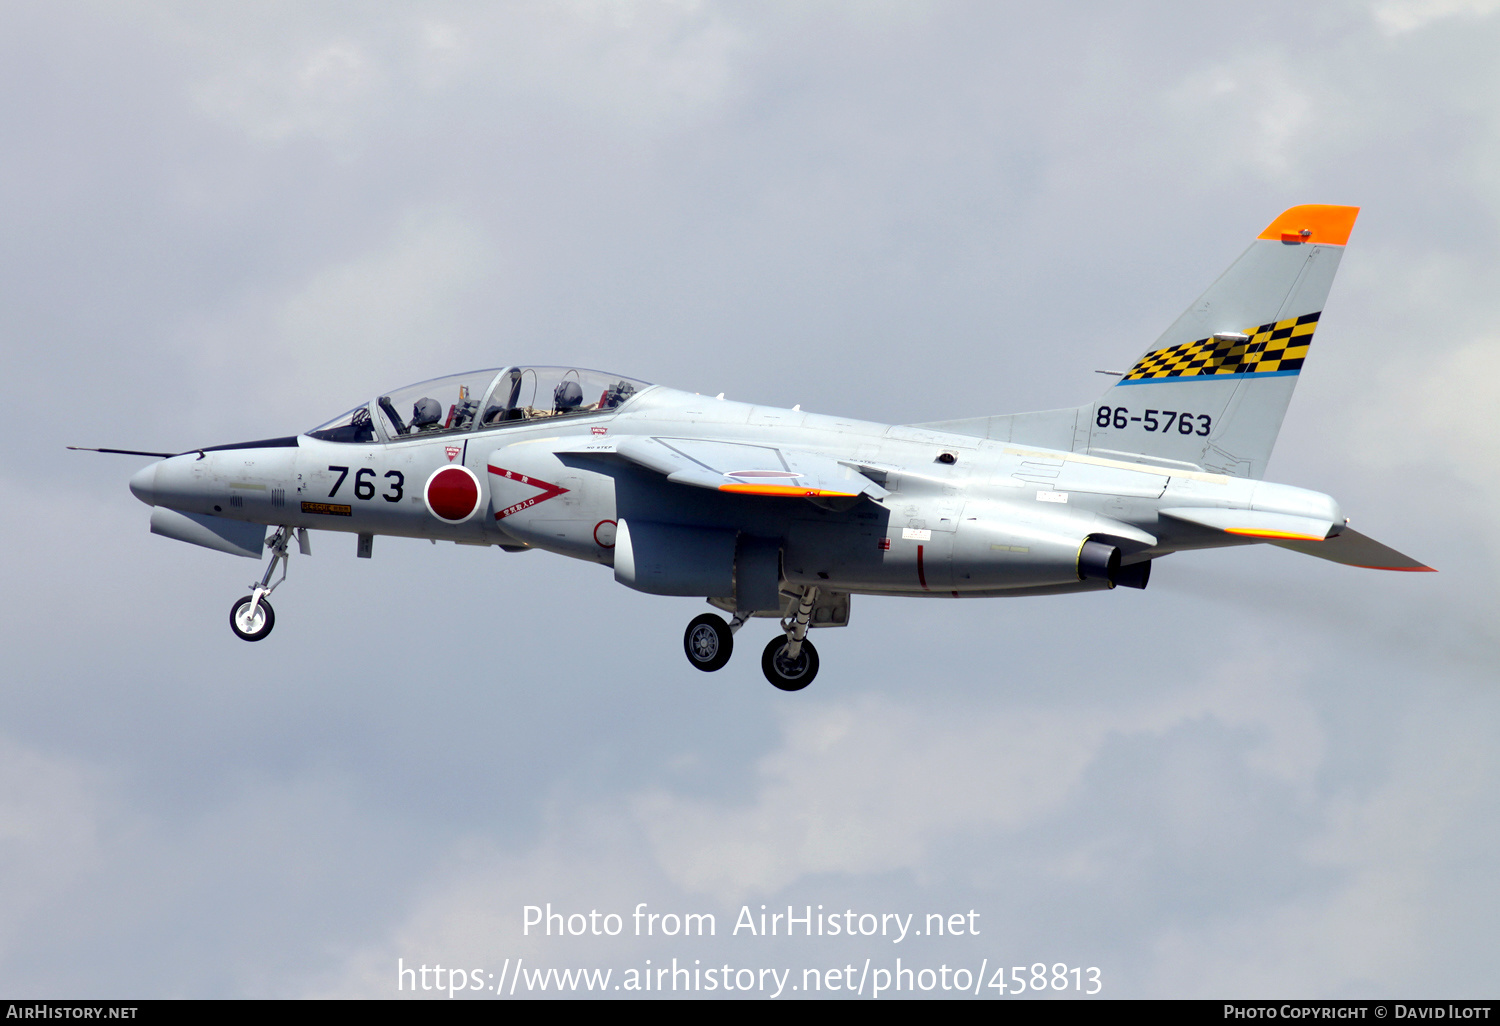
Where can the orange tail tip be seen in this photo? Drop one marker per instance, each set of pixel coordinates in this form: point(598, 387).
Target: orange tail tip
point(1317, 223)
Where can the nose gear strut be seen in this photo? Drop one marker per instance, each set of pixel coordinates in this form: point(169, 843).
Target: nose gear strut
point(251, 618)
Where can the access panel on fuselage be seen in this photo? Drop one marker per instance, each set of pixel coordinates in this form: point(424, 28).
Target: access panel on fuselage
point(539, 499)
point(415, 489)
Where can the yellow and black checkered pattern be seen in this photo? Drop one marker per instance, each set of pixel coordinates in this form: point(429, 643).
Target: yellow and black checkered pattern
point(1278, 346)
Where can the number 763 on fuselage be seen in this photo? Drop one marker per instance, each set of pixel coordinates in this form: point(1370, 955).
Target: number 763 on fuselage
point(787, 514)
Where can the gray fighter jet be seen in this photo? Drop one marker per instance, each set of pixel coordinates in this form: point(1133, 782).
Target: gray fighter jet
point(786, 514)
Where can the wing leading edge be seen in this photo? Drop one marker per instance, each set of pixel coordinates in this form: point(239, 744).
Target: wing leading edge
point(738, 468)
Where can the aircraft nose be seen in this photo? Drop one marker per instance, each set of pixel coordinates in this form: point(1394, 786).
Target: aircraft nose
point(143, 484)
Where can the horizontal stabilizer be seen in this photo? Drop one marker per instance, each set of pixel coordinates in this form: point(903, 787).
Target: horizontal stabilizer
point(737, 467)
point(1354, 549)
point(1252, 523)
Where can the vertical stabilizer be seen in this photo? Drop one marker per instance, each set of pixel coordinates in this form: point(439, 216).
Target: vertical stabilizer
point(1214, 388)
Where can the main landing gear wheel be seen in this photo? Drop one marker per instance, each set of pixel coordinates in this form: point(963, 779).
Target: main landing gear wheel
point(789, 674)
point(248, 627)
point(708, 642)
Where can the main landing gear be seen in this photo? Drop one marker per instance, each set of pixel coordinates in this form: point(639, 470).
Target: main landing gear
point(790, 662)
point(251, 618)
point(709, 642)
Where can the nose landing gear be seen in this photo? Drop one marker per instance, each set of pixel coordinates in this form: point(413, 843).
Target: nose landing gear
point(251, 618)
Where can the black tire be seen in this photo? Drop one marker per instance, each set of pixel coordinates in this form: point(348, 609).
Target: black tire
point(265, 619)
point(789, 676)
point(708, 642)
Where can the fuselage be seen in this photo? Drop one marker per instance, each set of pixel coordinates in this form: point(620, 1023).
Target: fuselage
point(960, 516)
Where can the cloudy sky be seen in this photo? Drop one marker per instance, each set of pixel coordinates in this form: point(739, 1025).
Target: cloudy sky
point(1265, 776)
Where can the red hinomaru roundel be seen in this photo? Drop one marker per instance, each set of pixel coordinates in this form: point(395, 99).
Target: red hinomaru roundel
point(452, 493)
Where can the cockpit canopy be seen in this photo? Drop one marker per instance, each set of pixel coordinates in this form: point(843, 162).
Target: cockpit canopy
point(480, 400)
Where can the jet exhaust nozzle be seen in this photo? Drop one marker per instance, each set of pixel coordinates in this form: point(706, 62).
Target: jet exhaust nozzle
point(1134, 576)
point(1099, 562)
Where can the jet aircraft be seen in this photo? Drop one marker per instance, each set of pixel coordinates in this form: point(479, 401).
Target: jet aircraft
point(786, 514)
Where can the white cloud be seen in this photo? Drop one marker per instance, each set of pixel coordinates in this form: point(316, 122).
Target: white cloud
point(1435, 366)
point(392, 313)
point(470, 913)
point(1257, 110)
point(1384, 920)
point(1398, 17)
point(1450, 415)
point(379, 306)
point(325, 90)
point(51, 809)
point(851, 792)
point(643, 66)
point(875, 786)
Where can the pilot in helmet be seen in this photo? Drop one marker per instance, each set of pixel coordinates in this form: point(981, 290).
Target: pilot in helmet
point(567, 396)
point(425, 414)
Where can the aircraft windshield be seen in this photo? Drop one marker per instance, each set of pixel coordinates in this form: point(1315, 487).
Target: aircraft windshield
point(354, 426)
point(481, 399)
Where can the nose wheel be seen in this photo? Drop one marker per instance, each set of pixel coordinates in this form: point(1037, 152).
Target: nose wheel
point(252, 624)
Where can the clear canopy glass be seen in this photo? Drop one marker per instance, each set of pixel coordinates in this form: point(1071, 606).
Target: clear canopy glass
point(481, 399)
point(534, 393)
point(440, 406)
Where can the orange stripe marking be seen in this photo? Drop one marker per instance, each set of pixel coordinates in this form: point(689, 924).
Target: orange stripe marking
point(761, 489)
point(1287, 535)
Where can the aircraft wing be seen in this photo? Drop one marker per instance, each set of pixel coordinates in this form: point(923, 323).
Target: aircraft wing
point(1354, 549)
point(738, 467)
